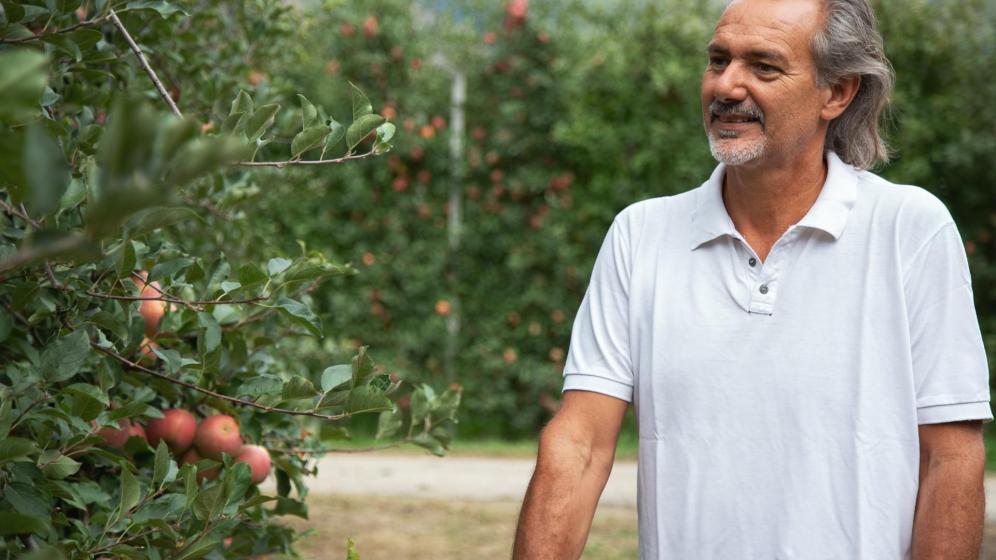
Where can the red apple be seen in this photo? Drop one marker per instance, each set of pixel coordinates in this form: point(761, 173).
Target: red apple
point(191, 457)
point(216, 435)
point(176, 428)
point(258, 459)
point(117, 438)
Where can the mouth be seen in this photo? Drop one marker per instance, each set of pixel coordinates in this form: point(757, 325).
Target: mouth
point(734, 119)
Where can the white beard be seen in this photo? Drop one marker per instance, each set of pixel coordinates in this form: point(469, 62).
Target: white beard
point(725, 149)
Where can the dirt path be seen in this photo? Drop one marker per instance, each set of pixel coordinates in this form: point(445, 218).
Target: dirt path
point(472, 478)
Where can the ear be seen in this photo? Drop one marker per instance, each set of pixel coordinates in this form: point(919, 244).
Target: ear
point(841, 95)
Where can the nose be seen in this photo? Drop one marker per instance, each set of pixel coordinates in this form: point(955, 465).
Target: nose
point(728, 85)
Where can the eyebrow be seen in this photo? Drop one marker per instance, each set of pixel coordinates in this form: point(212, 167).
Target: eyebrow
point(756, 54)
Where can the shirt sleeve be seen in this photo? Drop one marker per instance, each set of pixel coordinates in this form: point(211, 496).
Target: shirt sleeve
point(598, 358)
point(949, 360)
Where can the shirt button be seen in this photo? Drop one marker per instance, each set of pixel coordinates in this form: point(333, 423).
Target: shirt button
point(764, 289)
point(752, 261)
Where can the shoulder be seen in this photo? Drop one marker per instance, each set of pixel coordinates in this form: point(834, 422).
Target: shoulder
point(657, 211)
point(911, 208)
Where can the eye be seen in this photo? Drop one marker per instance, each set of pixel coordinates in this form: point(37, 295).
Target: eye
point(766, 68)
point(717, 61)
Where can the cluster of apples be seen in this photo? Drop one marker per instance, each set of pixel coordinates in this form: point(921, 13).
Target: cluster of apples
point(190, 442)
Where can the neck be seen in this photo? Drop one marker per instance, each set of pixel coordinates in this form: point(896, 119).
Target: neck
point(765, 198)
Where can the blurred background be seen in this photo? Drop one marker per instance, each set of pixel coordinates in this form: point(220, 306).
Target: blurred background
point(475, 244)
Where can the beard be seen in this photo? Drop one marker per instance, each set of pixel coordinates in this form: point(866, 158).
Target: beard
point(727, 146)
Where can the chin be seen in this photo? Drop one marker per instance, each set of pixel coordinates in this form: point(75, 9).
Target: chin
point(733, 152)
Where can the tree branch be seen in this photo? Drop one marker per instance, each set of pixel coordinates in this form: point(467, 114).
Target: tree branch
point(145, 65)
point(322, 451)
point(40, 36)
point(171, 299)
point(281, 164)
point(233, 400)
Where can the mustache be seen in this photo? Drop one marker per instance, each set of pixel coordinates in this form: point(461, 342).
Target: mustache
point(746, 108)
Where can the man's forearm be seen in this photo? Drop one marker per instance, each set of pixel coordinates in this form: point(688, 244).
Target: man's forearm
point(558, 509)
point(950, 510)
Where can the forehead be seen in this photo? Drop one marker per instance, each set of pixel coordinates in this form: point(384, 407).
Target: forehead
point(782, 26)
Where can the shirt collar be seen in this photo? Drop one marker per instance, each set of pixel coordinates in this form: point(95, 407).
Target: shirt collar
point(829, 213)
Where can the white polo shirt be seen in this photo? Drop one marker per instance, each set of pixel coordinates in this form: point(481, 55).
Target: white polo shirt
point(778, 402)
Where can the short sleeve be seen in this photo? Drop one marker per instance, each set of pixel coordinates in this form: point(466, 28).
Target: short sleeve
point(598, 358)
point(949, 360)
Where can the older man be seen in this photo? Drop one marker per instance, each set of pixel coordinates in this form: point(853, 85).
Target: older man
point(797, 335)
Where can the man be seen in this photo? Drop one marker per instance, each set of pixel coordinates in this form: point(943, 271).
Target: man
point(797, 335)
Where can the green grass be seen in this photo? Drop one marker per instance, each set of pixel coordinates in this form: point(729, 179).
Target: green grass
point(485, 447)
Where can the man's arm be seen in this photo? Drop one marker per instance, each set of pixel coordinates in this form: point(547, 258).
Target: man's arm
point(950, 505)
point(576, 451)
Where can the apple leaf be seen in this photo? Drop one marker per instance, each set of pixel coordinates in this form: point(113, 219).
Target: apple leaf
point(334, 376)
point(300, 314)
point(361, 128)
point(361, 104)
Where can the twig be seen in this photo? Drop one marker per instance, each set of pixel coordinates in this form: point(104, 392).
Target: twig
point(171, 299)
point(234, 400)
point(19, 213)
point(145, 65)
point(337, 450)
point(25, 256)
point(281, 164)
point(41, 36)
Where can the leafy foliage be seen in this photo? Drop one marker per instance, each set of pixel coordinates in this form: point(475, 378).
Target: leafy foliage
point(112, 207)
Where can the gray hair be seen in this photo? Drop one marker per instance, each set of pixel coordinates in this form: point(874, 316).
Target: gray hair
point(849, 44)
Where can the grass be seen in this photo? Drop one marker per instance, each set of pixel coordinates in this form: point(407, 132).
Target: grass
point(488, 447)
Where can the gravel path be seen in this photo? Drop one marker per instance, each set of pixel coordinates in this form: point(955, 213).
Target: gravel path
point(471, 478)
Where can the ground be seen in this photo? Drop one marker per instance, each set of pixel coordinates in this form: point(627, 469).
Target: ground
point(417, 529)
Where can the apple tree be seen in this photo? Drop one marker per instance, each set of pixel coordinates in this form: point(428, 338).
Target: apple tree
point(149, 372)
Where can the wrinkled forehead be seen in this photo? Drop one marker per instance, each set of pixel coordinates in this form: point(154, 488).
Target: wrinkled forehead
point(787, 25)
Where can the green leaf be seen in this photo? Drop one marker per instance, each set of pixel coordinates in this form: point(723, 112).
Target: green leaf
point(64, 358)
point(127, 260)
point(17, 523)
point(426, 441)
point(161, 7)
point(298, 387)
point(351, 553)
point(308, 139)
point(336, 133)
point(14, 448)
point(208, 503)
point(334, 376)
point(22, 80)
point(45, 171)
point(277, 265)
point(161, 468)
point(200, 548)
point(308, 112)
point(131, 492)
point(361, 128)
point(385, 132)
point(388, 423)
point(261, 385)
point(212, 331)
point(363, 367)
point(261, 121)
point(57, 466)
point(367, 399)
point(300, 314)
point(241, 104)
point(361, 105)
point(250, 275)
point(256, 501)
